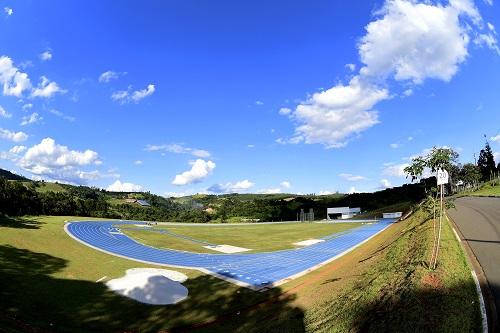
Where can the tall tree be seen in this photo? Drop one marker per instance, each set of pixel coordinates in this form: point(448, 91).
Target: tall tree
point(470, 174)
point(486, 162)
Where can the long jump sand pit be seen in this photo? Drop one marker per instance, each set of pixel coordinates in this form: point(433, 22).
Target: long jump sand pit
point(151, 286)
point(309, 242)
point(224, 248)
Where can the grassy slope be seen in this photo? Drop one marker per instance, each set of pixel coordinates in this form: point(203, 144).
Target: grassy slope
point(258, 237)
point(488, 189)
point(381, 286)
point(47, 186)
point(377, 213)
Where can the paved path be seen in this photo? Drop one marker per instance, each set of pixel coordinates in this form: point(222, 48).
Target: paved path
point(479, 222)
point(253, 270)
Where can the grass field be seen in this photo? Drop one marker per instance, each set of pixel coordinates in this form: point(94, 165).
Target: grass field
point(258, 237)
point(48, 186)
point(48, 281)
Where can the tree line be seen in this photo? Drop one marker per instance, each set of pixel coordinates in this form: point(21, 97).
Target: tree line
point(18, 198)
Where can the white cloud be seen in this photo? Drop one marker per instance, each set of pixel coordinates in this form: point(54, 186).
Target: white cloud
point(240, 186)
point(491, 27)
point(325, 192)
point(396, 170)
point(138, 162)
point(176, 194)
point(118, 186)
point(285, 111)
point(9, 11)
point(140, 94)
point(14, 81)
point(27, 106)
point(489, 40)
point(407, 41)
point(351, 178)
point(4, 113)
point(200, 169)
point(496, 156)
point(331, 117)
point(17, 150)
point(384, 183)
point(31, 119)
point(109, 76)
point(13, 136)
point(270, 191)
point(62, 115)
point(120, 96)
point(47, 89)
point(250, 146)
point(58, 162)
point(351, 67)
point(285, 184)
point(46, 56)
point(410, 138)
point(414, 41)
point(352, 190)
point(495, 138)
point(259, 103)
point(124, 96)
point(408, 92)
point(178, 149)
point(395, 145)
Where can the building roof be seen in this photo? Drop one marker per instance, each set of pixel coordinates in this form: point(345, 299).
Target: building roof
point(143, 203)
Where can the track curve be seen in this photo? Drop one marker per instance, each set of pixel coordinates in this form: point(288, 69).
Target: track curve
point(253, 270)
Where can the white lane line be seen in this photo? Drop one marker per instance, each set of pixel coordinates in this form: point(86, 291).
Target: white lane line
point(101, 279)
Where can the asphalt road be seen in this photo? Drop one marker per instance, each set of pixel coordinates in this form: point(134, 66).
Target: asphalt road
point(479, 222)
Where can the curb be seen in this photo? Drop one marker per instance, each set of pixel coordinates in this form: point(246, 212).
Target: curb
point(486, 300)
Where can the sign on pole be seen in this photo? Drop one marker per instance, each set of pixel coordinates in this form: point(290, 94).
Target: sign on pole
point(442, 177)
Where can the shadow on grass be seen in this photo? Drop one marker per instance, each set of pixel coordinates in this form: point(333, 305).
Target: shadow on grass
point(401, 309)
point(19, 222)
point(431, 309)
point(32, 299)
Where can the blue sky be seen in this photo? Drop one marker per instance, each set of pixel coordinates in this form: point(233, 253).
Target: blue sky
point(180, 97)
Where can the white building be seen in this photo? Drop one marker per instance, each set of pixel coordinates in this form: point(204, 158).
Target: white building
point(341, 213)
point(394, 215)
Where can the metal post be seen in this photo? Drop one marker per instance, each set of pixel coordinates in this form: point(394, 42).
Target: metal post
point(440, 223)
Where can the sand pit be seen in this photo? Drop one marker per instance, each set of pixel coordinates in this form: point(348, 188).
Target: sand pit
point(226, 248)
point(151, 286)
point(309, 242)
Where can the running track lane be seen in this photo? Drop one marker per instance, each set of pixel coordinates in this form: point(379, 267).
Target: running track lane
point(252, 270)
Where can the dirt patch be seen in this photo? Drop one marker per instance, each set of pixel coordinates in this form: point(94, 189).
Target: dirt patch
point(431, 280)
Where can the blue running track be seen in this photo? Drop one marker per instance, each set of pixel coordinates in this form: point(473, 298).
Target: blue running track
point(253, 270)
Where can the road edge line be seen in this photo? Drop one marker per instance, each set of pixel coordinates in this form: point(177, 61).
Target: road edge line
point(474, 264)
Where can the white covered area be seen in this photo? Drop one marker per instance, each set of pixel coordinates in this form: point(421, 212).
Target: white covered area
point(226, 248)
point(151, 286)
point(309, 242)
point(393, 215)
point(341, 213)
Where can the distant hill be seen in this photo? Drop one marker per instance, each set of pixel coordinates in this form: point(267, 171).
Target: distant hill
point(4, 174)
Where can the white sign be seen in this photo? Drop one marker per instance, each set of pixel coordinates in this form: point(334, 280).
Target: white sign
point(442, 177)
